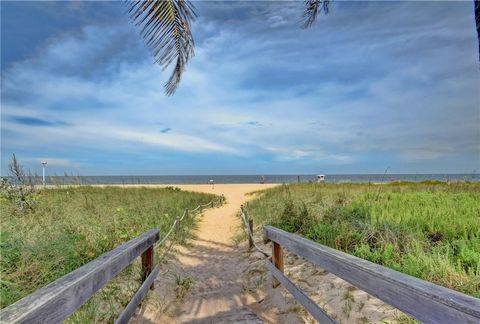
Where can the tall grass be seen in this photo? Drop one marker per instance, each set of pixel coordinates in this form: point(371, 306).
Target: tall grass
point(72, 226)
point(429, 230)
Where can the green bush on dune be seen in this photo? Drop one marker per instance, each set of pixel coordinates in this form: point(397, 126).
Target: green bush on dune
point(428, 230)
point(69, 227)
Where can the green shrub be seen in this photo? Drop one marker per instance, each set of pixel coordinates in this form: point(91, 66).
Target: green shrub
point(294, 218)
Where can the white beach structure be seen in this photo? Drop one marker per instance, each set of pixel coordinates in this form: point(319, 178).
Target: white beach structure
point(320, 178)
point(44, 164)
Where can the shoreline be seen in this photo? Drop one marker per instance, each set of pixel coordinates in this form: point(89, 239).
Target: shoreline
point(253, 179)
point(259, 185)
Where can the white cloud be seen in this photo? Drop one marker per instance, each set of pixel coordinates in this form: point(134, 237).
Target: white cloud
point(312, 153)
point(334, 94)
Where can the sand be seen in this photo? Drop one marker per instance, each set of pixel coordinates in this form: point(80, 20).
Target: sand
point(224, 282)
point(217, 267)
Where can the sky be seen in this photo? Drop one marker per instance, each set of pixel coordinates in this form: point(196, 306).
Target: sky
point(371, 86)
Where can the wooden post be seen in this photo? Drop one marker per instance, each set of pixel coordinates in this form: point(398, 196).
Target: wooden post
point(177, 225)
point(277, 255)
point(147, 264)
point(186, 212)
point(250, 238)
point(212, 204)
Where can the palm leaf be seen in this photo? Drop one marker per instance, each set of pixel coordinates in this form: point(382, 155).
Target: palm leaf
point(312, 9)
point(477, 22)
point(166, 32)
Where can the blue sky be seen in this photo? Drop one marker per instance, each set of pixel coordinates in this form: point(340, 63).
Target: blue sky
point(370, 86)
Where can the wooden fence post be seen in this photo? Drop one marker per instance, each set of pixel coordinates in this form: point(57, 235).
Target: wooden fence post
point(250, 238)
point(211, 204)
point(186, 212)
point(277, 255)
point(177, 225)
point(147, 264)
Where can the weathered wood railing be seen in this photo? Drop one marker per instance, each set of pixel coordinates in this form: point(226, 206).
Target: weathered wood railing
point(58, 300)
point(423, 300)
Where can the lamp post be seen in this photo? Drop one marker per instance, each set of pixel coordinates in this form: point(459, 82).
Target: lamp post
point(44, 163)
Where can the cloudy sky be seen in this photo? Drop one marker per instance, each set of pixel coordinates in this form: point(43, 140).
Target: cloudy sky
point(370, 86)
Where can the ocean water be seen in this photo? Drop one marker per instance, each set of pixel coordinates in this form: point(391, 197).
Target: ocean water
point(272, 178)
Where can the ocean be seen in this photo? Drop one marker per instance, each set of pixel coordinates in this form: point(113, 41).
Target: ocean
point(272, 178)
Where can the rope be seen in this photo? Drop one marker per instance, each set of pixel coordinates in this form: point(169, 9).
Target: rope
point(160, 259)
point(194, 210)
point(168, 234)
point(185, 213)
point(249, 232)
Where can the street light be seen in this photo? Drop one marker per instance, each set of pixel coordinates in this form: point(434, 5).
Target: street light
point(44, 163)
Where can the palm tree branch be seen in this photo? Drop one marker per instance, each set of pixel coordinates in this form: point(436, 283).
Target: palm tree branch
point(476, 5)
point(312, 9)
point(166, 32)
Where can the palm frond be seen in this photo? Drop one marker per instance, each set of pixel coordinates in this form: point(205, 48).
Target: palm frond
point(312, 9)
point(477, 22)
point(166, 32)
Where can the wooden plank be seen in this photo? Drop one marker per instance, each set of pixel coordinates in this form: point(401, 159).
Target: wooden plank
point(277, 257)
point(318, 313)
point(58, 300)
point(233, 316)
point(129, 310)
point(423, 300)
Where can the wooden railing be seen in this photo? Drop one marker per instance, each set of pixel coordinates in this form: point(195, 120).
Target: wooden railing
point(58, 300)
point(423, 300)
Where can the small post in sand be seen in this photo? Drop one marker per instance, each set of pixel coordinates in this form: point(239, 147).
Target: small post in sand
point(177, 225)
point(250, 238)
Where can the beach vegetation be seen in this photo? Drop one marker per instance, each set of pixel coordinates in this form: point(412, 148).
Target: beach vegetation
point(18, 188)
point(429, 230)
point(70, 226)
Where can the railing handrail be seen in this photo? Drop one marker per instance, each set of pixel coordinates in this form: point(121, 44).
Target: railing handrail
point(421, 299)
point(59, 299)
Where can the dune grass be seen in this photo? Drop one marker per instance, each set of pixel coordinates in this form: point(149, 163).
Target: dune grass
point(69, 227)
point(428, 230)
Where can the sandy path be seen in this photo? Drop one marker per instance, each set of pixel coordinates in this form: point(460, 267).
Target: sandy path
point(232, 284)
point(216, 265)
